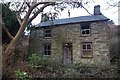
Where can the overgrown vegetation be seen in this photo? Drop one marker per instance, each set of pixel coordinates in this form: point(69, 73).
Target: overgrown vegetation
point(114, 47)
point(22, 75)
point(114, 44)
point(38, 62)
point(47, 68)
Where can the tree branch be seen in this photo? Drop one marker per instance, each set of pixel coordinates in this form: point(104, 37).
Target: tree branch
point(20, 8)
point(86, 9)
point(31, 9)
point(113, 5)
point(28, 4)
point(25, 22)
point(19, 20)
point(6, 30)
point(39, 10)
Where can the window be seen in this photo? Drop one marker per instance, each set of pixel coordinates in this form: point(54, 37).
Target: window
point(85, 29)
point(47, 33)
point(87, 49)
point(47, 49)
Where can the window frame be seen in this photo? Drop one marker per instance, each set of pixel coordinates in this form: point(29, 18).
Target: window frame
point(47, 33)
point(84, 55)
point(47, 50)
point(81, 29)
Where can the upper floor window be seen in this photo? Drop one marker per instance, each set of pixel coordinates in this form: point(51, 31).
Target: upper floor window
point(47, 33)
point(87, 49)
point(47, 49)
point(85, 29)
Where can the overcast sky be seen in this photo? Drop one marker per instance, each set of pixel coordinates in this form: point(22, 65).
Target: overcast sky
point(111, 12)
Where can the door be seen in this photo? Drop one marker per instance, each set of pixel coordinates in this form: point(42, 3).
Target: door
point(67, 53)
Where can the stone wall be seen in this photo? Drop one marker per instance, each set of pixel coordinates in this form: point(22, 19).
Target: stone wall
point(71, 33)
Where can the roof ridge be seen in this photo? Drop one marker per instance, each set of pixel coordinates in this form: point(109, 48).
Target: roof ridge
point(73, 20)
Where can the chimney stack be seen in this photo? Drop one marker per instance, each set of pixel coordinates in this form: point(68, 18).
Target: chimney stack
point(97, 10)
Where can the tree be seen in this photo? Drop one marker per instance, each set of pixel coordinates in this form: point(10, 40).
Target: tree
point(30, 10)
point(9, 19)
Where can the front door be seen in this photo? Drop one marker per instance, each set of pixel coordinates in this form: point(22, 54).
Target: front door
point(67, 53)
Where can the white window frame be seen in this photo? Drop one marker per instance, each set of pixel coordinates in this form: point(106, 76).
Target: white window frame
point(85, 32)
point(85, 27)
point(86, 49)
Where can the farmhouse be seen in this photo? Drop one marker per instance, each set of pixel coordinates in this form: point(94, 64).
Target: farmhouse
point(83, 39)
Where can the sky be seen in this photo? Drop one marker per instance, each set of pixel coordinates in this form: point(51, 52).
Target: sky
point(106, 10)
point(111, 12)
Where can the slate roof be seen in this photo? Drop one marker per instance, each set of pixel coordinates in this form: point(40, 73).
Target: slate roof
point(73, 20)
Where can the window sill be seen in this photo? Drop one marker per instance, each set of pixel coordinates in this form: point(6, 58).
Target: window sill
point(47, 37)
point(46, 55)
point(87, 56)
point(86, 35)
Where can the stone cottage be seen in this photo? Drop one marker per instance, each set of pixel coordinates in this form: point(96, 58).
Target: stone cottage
point(81, 39)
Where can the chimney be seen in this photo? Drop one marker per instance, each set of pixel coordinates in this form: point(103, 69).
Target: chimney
point(97, 10)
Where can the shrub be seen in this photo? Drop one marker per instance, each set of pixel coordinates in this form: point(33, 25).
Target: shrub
point(55, 65)
point(71, 73)
point(38, 61)
point(55, 69)
point(22, 75)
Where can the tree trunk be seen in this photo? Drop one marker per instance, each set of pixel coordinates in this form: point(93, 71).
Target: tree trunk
point(9, 54)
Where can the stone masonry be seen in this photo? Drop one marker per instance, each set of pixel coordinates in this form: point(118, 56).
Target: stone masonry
point(72, 33)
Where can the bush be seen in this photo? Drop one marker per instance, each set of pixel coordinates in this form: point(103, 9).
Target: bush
point(56, 69)
point(71, 73)
point(37, 61)
point(55, 65)
point(22, 75)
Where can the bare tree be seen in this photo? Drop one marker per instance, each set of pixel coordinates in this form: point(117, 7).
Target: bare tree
point(31, 10)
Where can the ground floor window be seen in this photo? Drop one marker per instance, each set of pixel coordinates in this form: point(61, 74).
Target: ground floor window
point(47, 49)
point(87, 49)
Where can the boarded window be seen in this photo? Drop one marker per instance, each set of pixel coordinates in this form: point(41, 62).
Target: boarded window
point(87, 49)
point(47, 49)
point(47, 33)
point(85, 29)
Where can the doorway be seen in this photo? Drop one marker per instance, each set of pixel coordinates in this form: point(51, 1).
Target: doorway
point(67, 53)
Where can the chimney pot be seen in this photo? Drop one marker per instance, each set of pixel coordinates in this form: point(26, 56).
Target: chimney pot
point(97, 10)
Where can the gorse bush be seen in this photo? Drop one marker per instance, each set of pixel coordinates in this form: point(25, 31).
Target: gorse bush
point(33, 60)
point(45, 64)
point(37, 61)
point(22, 75)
